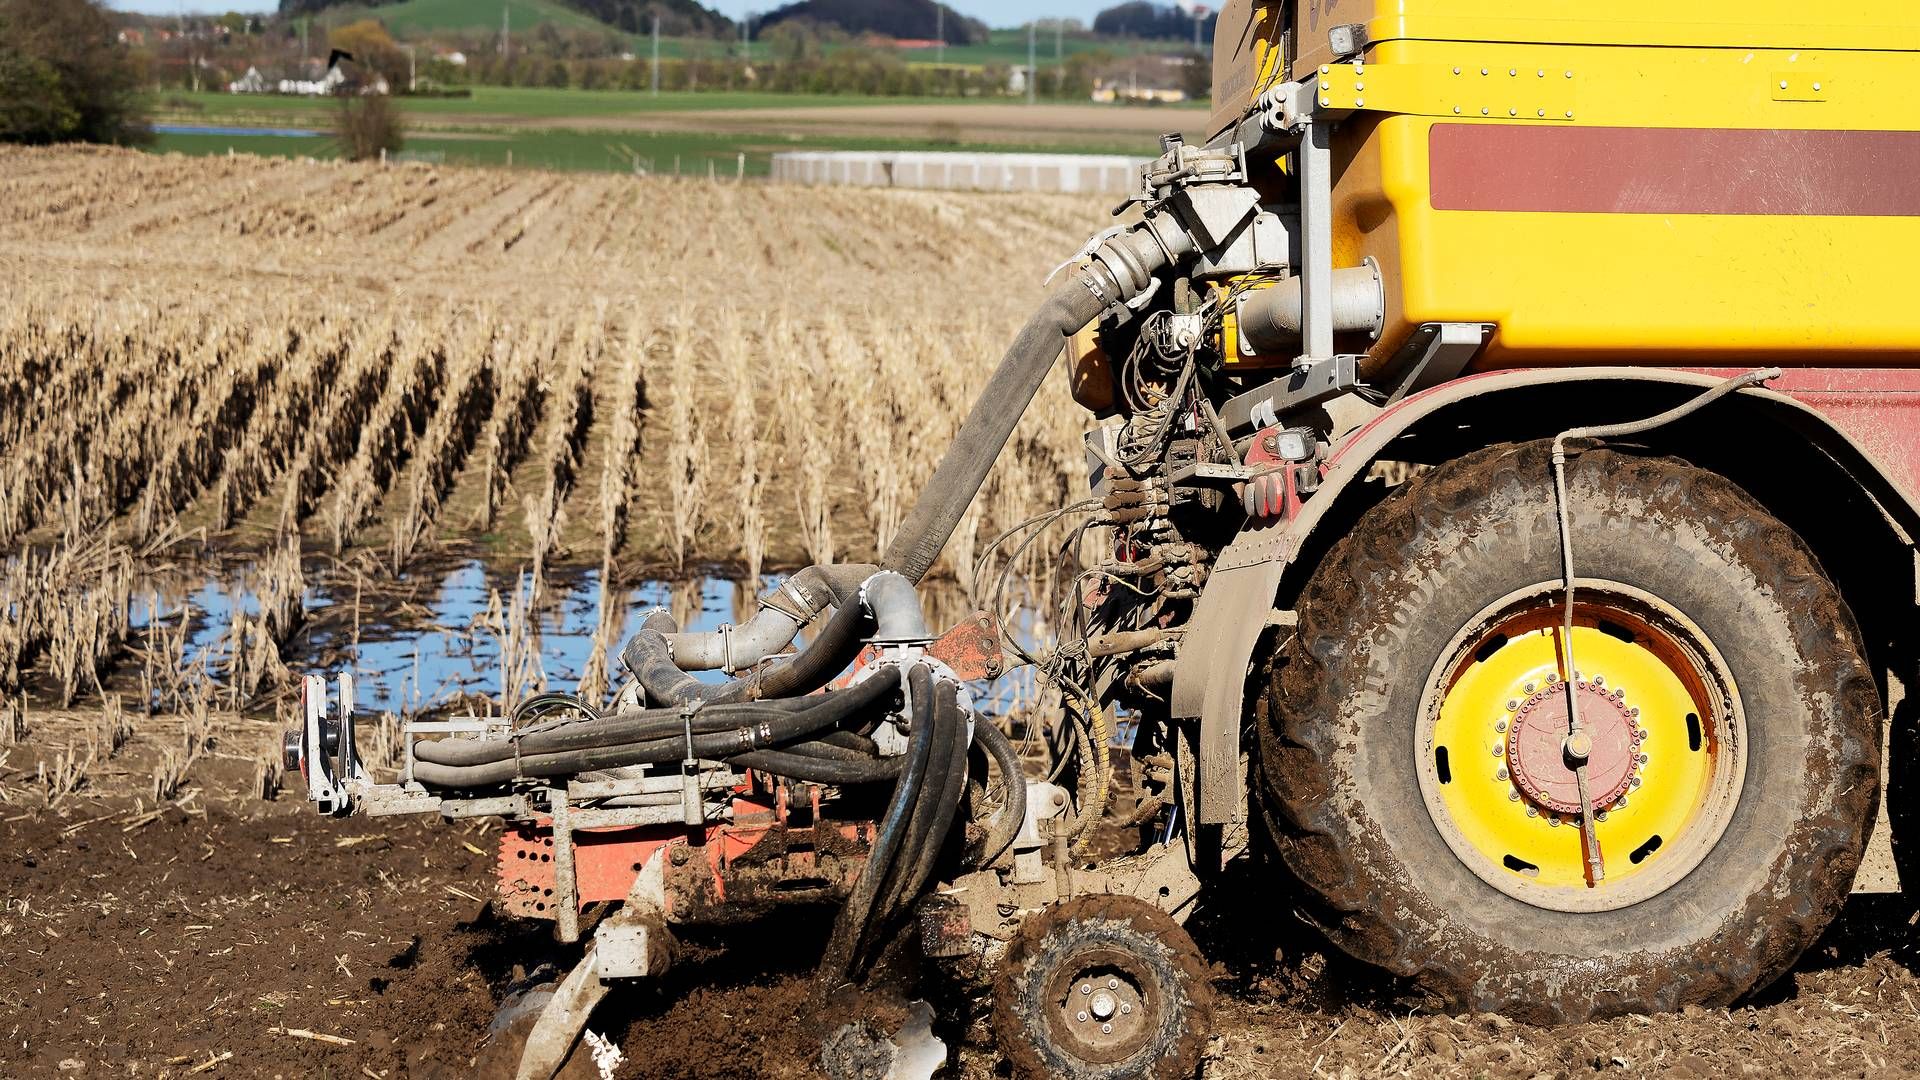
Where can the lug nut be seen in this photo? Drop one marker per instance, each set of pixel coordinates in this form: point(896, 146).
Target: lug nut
point(1086, 988)
point(1082, 1018)
point(1113, 984)
point(1125, 1009)
point(1106, 1029)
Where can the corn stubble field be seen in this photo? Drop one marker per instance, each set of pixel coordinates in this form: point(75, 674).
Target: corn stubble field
point(290, 374)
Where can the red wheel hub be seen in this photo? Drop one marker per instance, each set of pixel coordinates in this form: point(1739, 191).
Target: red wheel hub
point(1536, 747)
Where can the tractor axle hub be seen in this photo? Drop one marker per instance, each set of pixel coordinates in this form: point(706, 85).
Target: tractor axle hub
point(1541, 756)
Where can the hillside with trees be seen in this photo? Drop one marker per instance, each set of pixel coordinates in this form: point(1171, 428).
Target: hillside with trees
point(1145, 19)
point(917, 20)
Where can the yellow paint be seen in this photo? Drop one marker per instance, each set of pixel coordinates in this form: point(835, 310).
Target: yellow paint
point(1674, 782)
point(1655, 289)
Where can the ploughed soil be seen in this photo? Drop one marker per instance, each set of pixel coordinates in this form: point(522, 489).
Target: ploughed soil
point(229, 936)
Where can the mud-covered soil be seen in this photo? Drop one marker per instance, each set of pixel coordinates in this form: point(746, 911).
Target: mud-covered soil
point(152, 945)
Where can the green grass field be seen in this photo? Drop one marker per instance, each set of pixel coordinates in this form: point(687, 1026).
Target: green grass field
point(502, 101)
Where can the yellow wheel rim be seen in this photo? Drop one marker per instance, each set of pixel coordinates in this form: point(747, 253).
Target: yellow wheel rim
point(1664, 775)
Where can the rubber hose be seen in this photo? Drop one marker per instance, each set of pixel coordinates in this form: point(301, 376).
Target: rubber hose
point(656, 725)
point(989, 424)
point(1013, 813)
point(925, 807)
point(820, 770)
point(850, 924)
point(780, 727)
point(650, 658)
point(946, 805)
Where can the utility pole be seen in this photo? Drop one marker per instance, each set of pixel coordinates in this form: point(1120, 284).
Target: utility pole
point(654, 72)
point(506, 33)
point(1059, 58)
point(746, 49)
point(1030, 68)
point(413, 75)
point(940, 33)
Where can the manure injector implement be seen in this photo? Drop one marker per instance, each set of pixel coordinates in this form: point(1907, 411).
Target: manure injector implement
point(1584, 716)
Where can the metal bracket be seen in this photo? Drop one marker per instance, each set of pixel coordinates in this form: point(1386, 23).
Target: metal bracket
point(1438, 352)
point(1480, 88)
point(1266, 404)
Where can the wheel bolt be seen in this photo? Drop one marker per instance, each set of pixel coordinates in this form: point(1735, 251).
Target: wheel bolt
point(1497, 751)
point(1113, 984)
point(1512, 705)
point(1086, 988)
point(1082, 1017)
point(1500, 725)
point(1501, 775)
point(1125, 1009)
point(1513, 796)
point(1531, 812)
point(1106, 1029)
point(1528, 688)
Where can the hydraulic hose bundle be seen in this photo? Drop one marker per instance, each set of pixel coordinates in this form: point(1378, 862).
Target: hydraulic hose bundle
point(772, 720)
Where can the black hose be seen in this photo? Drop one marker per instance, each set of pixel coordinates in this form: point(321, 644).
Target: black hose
point(776, 728)
point(850, 925)
point(945, 498)
point(649, 656)
point(1013, 811)
point(667, 725)
point(922, 833)
point(819, 770)
point(946, 804)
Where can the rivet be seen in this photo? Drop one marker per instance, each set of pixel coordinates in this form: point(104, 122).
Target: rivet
point(1324, 69)
point(1513, 112)
point(1483, 71)
point(1542, 73)
point(1569, 114)
point(1543, 112)
point(1456, 108)
point(1816, 86)
point(1359, 103)
point(1456, 71)
point(1783, 84)
point(1325, 85)
point(1569, 74)
point(1359, 86)
point(1324, 101)
point(1513, 71)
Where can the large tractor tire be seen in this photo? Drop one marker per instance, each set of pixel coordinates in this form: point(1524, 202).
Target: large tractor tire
point(1416, 771)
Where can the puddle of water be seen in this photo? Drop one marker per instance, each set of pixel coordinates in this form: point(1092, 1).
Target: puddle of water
point(399, 667)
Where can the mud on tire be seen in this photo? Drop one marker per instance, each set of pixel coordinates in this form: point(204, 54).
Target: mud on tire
point(1337, 719)
point(1154, 960)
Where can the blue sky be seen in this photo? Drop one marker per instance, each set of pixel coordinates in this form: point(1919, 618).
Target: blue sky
point(993, 12)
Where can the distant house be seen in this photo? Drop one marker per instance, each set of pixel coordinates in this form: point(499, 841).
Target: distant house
point(1139, 79)
point(133, 36)
point(251, 83)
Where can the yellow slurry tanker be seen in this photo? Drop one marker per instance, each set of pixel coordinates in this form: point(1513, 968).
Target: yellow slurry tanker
point(1503, 475)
